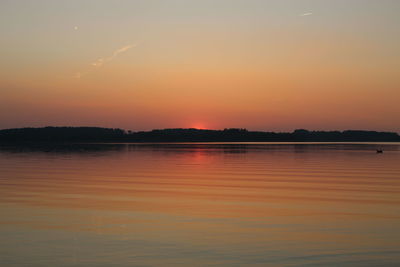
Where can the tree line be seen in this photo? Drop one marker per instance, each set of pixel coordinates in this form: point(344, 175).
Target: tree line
point(98, 134)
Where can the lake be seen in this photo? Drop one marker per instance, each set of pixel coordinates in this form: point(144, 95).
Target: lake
point(199, 204)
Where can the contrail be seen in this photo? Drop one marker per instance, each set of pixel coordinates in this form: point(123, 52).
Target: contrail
point(101, 61)
point(306, 14)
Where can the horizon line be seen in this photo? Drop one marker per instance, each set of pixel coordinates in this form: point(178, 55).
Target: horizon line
point(200, 129)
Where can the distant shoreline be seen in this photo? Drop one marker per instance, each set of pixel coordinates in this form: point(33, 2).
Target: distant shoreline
point(111, 135)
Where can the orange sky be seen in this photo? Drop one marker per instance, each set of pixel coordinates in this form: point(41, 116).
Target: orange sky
point(262, 65)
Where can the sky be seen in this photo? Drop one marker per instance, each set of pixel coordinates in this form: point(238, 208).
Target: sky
point(274, 65)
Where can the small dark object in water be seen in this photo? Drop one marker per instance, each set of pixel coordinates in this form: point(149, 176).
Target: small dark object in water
point(379, 151)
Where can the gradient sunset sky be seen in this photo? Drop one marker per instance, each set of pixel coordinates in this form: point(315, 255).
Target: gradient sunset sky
point(262, 65)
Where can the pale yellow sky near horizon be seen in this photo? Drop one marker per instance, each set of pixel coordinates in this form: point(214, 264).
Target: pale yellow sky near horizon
point(261, 65)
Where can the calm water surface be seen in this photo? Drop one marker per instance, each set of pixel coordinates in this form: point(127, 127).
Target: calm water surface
point(200, 205)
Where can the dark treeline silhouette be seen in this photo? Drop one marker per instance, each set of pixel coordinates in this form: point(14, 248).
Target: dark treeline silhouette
point(97, 134)
point(61, 134)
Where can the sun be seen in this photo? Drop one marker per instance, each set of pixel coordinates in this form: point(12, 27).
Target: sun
point(199, 126)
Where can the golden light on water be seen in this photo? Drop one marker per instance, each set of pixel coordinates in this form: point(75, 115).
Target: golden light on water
point(173, 204)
